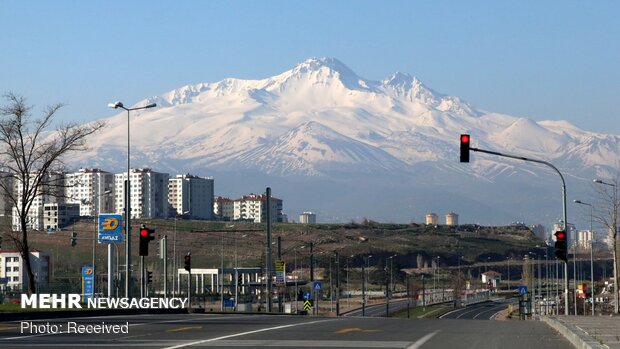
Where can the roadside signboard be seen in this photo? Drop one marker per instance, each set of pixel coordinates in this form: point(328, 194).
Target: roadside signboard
point(229, 303)
point(88, 283)
point(308, 305)
point(4, 281)
point(109, 228)
point(307, 296)
point(317, 286)
point(522, 289)
point(280, 269)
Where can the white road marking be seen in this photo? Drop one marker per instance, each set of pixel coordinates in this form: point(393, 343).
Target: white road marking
point(245, 333)
point(417, 344)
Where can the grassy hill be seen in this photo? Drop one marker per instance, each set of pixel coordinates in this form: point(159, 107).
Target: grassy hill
point(243, 244)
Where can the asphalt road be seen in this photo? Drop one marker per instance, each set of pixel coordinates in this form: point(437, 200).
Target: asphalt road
point(379, 310)
point(479, 311)
point(252, 331)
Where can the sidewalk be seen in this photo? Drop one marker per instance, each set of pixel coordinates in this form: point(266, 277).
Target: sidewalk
point(588, 331)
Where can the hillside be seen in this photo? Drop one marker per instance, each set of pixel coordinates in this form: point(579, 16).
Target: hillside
point(243, 244)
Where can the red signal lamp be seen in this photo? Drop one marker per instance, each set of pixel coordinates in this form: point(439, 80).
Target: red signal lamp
point(144, 232)
point(465, 138)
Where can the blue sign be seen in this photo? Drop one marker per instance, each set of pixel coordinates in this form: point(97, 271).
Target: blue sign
point(229, 303)
point(110, 228)
point(307, 296)
point(88, 282)
point(522, 289)
point(317, 286)
point(4, 281)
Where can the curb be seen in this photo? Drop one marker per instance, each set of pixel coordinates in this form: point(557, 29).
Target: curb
point(577, 337)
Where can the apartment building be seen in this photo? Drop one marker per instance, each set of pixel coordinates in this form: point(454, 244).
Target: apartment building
point(224, 208)
point(92, 189)
point(148, 193)
point(49, 191)
point(191, 194)
point(13, 268)
point(307, 218)
point(58, 215)
point(254, 207)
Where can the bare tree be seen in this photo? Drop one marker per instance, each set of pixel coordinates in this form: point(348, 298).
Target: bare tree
point(31, 152)
point(607, 215)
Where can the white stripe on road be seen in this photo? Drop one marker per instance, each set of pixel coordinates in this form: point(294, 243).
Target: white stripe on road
point(245, 333)
point(417, 344)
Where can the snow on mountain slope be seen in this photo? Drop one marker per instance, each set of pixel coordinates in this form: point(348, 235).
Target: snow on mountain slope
point(321, 119)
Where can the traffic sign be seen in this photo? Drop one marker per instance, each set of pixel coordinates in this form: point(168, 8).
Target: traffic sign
point(109, 228)
point(307, 296)
point(317, 286)
point(307, 305)
point(522, 289)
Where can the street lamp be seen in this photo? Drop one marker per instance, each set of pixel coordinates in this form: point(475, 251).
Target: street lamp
point(389, 290)
point(614, 222)
point(591, 259)
point(117, 105)
point(364, 283)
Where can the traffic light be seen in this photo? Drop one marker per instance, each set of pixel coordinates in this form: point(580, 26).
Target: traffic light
point(188, 262)
point(73, 239)
point(149, 277)
point(560, 245)
point(465, 148)
point(146, 236)
point(239, 279)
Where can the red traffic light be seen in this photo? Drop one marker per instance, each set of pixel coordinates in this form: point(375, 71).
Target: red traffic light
point(465, 138)
point(560, 235)
point(144, 232)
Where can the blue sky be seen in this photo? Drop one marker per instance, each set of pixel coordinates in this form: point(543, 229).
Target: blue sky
point(541, 59)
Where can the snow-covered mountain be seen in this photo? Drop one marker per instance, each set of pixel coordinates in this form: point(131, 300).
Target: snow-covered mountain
point(328, 140)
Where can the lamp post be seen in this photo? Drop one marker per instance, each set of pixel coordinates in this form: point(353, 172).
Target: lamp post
point(364, 284)
point(614, 222)
point(388, 289)
point(120, 105)
point(591, 259)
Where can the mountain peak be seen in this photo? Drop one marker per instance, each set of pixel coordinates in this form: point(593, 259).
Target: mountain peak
point(316, 63)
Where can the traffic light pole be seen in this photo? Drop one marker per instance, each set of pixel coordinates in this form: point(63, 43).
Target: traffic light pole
point(563, 209)
point(142, 278)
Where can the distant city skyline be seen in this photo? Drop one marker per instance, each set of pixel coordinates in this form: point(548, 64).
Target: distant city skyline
point(542, 60)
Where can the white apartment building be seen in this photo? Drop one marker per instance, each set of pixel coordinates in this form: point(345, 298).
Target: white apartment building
point(13, 268)
point(307, 218)
point(224, 207)
point(254, 207)
point(57, 215)
point(584, 238)
point(148, 194)
point(48, 192)
point(88, 188)
point(192, 194)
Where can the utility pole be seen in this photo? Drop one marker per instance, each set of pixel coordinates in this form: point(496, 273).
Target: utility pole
point(269, 261)
point(337, 284)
